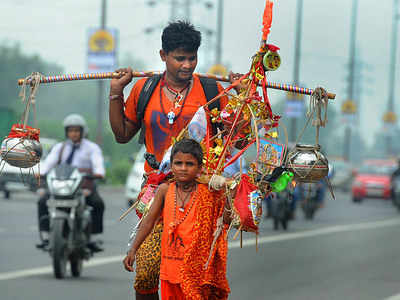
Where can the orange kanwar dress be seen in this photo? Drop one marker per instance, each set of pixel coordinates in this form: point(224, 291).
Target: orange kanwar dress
point(186, 245)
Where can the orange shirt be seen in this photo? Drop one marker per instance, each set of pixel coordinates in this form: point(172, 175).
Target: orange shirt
point(158, 131)
point(174, 242)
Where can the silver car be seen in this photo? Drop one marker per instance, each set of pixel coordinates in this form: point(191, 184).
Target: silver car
point(135, 177)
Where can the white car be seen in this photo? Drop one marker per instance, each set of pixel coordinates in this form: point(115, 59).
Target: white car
point(14, 179)
point(135, 178)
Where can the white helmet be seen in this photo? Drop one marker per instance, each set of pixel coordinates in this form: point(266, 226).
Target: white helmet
point(76, 120)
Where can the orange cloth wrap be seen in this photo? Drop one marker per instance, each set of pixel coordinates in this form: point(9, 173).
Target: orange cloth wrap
point(211, 283)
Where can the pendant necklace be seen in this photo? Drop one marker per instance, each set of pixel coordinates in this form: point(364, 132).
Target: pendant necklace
point(175, 223)
point(171, 116)
point(178, 94)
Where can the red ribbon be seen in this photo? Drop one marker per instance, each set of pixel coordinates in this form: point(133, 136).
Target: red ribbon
point(18, 131)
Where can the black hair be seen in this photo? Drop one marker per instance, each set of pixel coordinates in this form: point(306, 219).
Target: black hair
point(180, 35)
point(188, 146)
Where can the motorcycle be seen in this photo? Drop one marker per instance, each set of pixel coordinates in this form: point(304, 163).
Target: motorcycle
point(396, 192)
point(281, 209)
point(70, 219)
point(309, 195)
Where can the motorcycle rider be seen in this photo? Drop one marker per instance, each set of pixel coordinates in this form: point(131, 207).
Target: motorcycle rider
point(85, 155)
point(300, 192)
point(396, 173)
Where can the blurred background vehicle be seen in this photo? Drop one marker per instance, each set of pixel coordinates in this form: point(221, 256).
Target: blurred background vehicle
point(396, 192)
point(14, 179)
point(311, 197)
point(373, 179)
point(344, 174)
point(280, 205)
point(135, 178)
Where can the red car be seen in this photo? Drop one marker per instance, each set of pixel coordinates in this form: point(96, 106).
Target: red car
point(373, 180)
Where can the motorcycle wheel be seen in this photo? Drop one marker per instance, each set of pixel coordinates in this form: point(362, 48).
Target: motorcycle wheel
point(308, 211)
point(276, 223)
point(284, 223)
point(76, 265)
point(59, 248)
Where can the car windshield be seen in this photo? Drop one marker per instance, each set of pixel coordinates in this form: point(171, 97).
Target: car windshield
point(376, 170)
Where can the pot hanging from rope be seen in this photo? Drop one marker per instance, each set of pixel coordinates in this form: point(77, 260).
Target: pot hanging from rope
point(307, 163)
point(22, 147)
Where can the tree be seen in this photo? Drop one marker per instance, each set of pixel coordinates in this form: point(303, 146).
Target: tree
point(55, 101)
point(14, 65)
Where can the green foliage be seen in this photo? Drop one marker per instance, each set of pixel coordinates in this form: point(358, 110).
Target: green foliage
point(118, 172)
point(55, 101)
point(13, 66)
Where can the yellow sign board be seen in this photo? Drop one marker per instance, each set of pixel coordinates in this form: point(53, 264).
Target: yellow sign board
point(218, 69)
point(349, 107)
point(389, 117)
point(101, 41)
point(294, 96)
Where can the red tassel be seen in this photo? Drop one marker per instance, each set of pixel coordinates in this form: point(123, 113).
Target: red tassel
point(267, 19)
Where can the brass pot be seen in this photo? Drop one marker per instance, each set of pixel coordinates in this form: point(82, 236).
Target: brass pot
point(20, 152)
point(307, 163)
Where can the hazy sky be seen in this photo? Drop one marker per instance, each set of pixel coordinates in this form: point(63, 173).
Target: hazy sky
point(56, 30)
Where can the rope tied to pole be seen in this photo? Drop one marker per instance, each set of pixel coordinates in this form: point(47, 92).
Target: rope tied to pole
point(318, 103)
point(33, 80)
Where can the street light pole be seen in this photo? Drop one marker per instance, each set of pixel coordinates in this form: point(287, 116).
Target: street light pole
point(297, 53)
point(100, 106)
point(187, 9)
point(347, 133)
point(392, 75)
point(174, 5)
point(220, 15)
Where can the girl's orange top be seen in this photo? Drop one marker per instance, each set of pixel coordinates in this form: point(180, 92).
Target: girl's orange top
point(185, 248)
point(174, 242)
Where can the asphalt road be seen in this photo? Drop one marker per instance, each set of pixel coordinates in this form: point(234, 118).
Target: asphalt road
point(349, 251)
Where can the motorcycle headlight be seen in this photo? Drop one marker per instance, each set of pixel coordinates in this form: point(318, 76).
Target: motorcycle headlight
point(63, 187)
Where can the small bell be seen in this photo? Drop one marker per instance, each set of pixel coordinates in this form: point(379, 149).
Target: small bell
point(271, 59)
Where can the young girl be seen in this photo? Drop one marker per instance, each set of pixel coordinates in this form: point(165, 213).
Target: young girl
point(193, 243)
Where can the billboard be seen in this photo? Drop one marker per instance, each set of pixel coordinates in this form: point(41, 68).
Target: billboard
point(294, 108)
point(102, 50)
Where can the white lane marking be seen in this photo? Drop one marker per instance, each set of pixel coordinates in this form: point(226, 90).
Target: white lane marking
point(316, 232)
point(394, 297)
point(232, 245)
point(48, 269)
point(106, 223)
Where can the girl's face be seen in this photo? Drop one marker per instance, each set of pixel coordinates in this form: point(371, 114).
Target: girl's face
point(185, 167)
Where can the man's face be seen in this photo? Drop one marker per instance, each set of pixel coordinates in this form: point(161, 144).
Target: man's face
point(74, 134)
point(180, 64)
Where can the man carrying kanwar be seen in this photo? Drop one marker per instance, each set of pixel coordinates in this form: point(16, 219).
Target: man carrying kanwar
point(161, 106)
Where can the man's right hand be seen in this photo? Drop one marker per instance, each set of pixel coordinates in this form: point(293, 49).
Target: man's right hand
point(118, 84)
point(129, 260)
